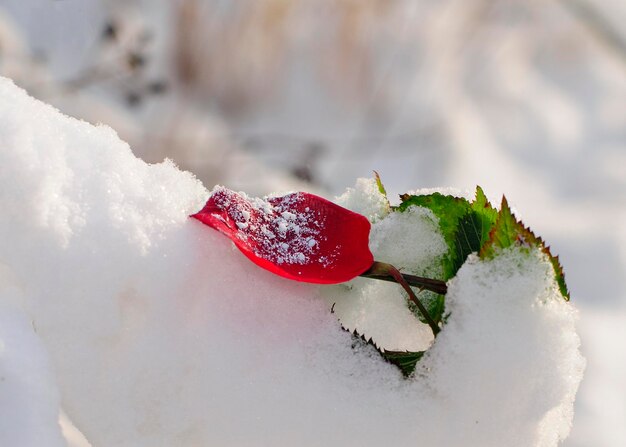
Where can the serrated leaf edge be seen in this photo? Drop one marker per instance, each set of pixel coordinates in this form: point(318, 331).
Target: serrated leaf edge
point(525, 238)
point(391, 357)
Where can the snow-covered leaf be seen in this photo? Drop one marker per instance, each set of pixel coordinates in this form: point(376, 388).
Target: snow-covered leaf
point(465, 226)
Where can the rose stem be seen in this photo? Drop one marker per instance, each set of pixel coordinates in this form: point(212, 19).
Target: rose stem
point(388, 272)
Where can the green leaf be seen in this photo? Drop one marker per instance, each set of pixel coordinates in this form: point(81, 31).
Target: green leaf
point(486, 215)
point(450, 211)
point(434, 303)
point(379, 183)
point(404, 360)
point(435, 306)
point(508, 232)
point(558, 273)
point(382, 190)
point(465, 226)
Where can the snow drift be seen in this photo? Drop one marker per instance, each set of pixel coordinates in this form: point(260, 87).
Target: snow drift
point(149, 329)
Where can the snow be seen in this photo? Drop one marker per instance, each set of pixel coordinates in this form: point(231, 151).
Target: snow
point(499, 362)
point(411, 241)
point(595, 398)
point(365, 199)
point(150, 329)
point(29, 398)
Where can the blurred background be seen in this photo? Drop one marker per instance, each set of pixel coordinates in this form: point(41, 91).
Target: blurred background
point(526, 98)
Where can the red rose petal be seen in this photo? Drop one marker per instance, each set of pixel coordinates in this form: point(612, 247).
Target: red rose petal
point(299, 236)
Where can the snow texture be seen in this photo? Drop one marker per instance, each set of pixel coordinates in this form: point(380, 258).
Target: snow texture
point(365, 199)
point(29, 398)
point(155, 331)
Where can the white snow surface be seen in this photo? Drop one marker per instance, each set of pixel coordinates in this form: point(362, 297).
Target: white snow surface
point(29, 398)
point(150, 329)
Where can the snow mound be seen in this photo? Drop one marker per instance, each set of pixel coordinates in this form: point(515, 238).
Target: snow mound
point(510, 343)
point(155, 331)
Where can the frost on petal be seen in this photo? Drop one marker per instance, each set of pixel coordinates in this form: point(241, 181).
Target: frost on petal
point(298, 236)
